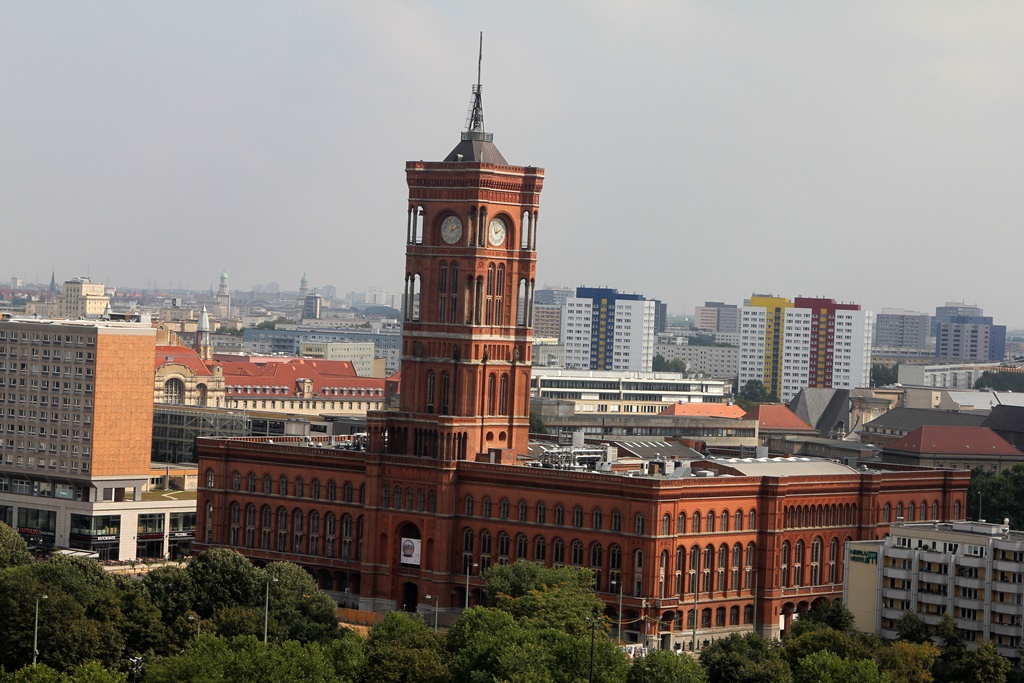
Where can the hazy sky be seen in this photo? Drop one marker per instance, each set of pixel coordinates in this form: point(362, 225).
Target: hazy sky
point(869, 152)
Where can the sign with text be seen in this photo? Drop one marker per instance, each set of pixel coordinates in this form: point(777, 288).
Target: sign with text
point(865, 556)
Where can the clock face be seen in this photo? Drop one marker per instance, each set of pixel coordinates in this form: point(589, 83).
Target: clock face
point(496, 232)
point(451, 229)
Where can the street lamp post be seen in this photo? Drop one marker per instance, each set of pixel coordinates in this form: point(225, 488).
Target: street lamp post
point(266, 609)
point(436, 599)
point(199, 624)
point(592, 622)
point(469, 568)
point(35, 638)
point(619, 585)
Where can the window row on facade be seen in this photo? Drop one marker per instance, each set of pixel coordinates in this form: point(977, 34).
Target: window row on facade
point(696, 523)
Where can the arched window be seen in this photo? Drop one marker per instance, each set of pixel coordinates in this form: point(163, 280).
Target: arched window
point(833, 556)
point(504, 508)
point(616, 520)
point(559, 515)
point(346, 493)
point(734, 615)
point(752, 521)
point(174, 391)
point(615, 568)
point(558, 552)
point(330, 534)
point(739, 520)
point(577, 516)
point(711, 522)
point(887, 513)
point(503, 396)
point(314, 533)
point(432, 501)
point(487, 507)
point(816, 561)
point(681, 523)
point(638, 527)
point(346, 537)
point(784, 573)
point(935, 509)
point(314, 489)
point(467, 540)
point(283, 486)
point(666, 524)
point(297, 535)
point(300, 487)
point(695, 524)
point(680, 568)
point(252, 483)
point(899, 511)
point(596, 519)
point(749, 567)
point(485, 549)
point(521, 545)
point(540, 548)
point(542, 513)
point(282, 530)
point(421, 500)
point(725, 520)
point(266, 521)
point(469, 506)
point(266, 483)
point(209, 479)
point(577, 553)
point(956, 510)
point(503, 545)
point(236, 513)
point(236, 481)
point(522, 510)
point(397, 500)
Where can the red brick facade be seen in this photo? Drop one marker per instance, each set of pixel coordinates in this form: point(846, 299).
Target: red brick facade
point(441, 472)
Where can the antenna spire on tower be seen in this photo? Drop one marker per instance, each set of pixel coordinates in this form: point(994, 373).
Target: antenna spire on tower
point(475, 118)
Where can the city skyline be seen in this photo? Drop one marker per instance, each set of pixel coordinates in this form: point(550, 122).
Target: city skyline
point(806, 147)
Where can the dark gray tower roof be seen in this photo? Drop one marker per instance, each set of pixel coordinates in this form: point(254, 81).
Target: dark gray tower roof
point(477, 145)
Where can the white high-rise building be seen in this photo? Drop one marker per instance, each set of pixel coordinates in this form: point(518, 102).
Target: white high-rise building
point(788, 345)
point(602, 329)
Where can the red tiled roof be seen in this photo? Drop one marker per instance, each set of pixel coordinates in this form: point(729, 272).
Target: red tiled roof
point(778, 416)
point(330, 378)
point(704, 410)
point(182, 355)
point(954, 440)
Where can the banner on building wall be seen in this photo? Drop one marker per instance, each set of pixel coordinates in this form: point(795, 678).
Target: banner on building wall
point(411, 551)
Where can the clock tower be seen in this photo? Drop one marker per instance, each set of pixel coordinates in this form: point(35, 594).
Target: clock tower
point(471, 242)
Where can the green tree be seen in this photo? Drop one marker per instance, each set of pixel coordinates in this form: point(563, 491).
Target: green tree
point(662, 666)
point(243, 659)
point(1000, 381)
point(745, 658)
point(822, 638)
point(140, 624)
point(833, 614)
point(913, 629)
point(908, 662)
point(403, 649)
point(546, 597)
point(828, 667)
point(884, 375)
point(272, 324)
point(537, 425)
point(224, 578)
point(171, 591)
point(13, 549)
point(299, 609)
point(754, 392)
point(661, 364)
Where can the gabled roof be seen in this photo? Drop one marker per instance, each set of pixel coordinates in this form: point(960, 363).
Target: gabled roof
point(776, 416)
point(909, 419)
point(954, 441)
point(181, 355)
point(728, 410)
point(1005, 418)
point(823, 408)
point(329, 377)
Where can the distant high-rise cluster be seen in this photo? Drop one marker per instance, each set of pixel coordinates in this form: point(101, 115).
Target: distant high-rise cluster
point(806, 342)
